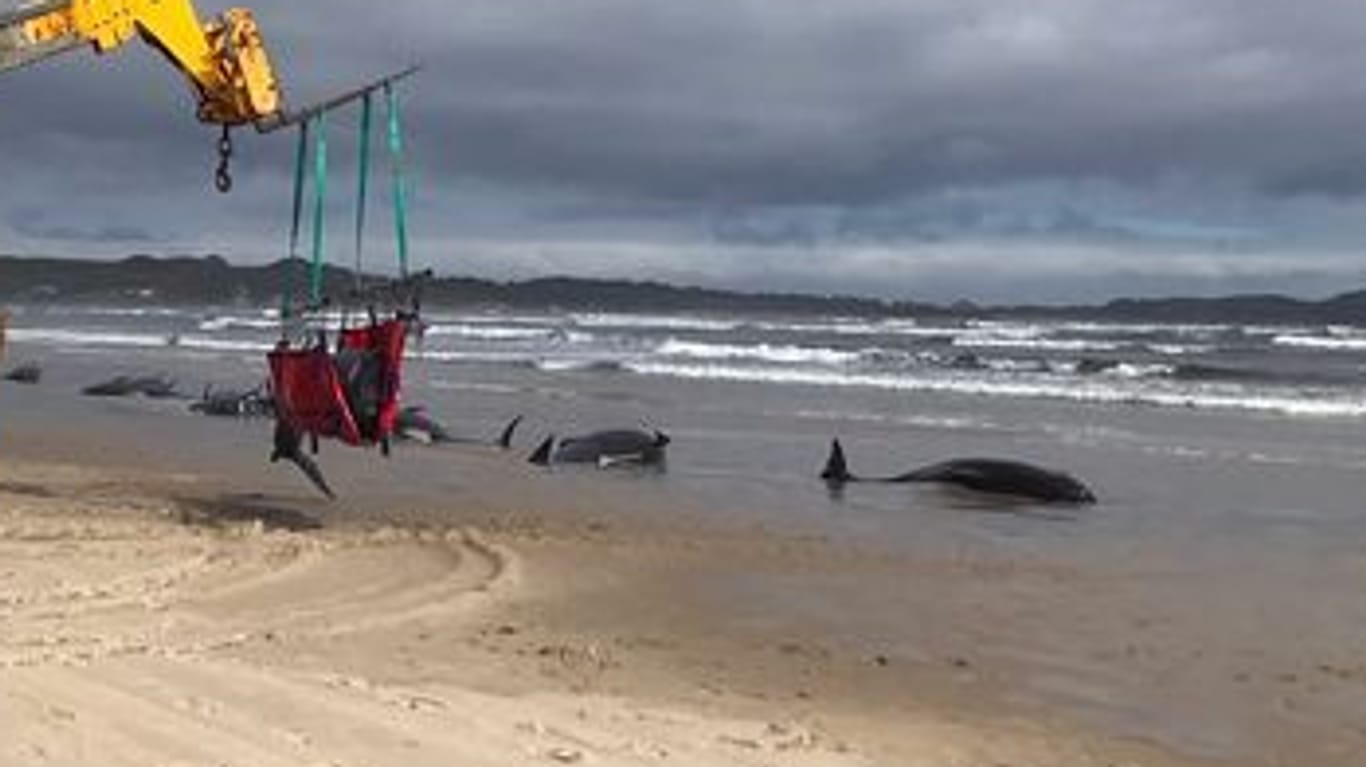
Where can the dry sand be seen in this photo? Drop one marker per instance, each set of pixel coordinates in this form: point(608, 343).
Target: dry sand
point(140, 630)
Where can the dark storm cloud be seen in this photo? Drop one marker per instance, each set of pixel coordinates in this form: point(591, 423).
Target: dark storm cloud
point(821, 127)
point(783, 102)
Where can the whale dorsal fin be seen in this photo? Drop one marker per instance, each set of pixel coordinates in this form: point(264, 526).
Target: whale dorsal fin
point(836, 468)
point(542, 455)
point(505, 439)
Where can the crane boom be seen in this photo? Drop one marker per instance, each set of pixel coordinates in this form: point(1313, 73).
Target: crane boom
point(224, 58)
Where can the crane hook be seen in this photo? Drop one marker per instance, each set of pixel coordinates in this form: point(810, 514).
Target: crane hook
point(222, 178)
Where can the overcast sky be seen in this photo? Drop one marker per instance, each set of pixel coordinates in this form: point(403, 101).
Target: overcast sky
point(1005, 150)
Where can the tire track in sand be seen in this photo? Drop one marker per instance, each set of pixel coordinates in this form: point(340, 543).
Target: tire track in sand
point(85, 580)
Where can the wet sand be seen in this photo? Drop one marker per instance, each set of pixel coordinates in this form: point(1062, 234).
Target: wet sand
point(169, 597)
point(149, 620)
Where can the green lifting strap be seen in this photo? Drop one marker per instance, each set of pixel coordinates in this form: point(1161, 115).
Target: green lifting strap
point(315, 282)
point(400, 187)
point(287, 299)
point(367, 108)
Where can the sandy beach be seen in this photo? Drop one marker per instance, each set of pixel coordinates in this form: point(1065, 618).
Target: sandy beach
point(142, 627)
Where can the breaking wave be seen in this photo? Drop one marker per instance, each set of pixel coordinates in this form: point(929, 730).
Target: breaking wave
point(792, 355)
point(1033, 389)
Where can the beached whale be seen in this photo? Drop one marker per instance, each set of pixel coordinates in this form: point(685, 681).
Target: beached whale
point(414, 423)
point(605, 448)
point(28, 373)
point(155, 387)
point(984, 475)
point(234, 403)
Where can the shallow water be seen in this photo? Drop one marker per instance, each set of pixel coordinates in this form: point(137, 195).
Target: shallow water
point(1211, 599)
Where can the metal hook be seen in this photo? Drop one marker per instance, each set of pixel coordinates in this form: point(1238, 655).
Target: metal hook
point(222, 178)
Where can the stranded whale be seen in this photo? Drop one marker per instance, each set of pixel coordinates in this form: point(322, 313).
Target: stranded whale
point(414, 423)
point(234, 403)
point(984, 475)
point(605, 448)
point(28, 373)
point(154, 386)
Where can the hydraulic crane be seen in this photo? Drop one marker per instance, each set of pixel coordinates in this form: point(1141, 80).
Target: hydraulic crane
point(224, 58)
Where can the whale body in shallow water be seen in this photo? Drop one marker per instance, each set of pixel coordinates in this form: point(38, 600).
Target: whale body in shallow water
point(984, 475)
point(28, 373)
point(605, 448)
point(154, 386)
point(234, 403)
point(414, 423)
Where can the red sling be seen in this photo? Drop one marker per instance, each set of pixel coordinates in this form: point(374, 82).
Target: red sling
point(312, 396)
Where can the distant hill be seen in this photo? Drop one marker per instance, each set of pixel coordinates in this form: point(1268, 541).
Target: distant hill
point(212, 280)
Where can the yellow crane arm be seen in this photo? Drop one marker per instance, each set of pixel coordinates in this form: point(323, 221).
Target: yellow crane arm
point(224, 58)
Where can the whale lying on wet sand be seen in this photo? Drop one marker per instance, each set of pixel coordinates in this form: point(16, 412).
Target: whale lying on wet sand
point(155, 387)
point(234, 403)
point(28, 373)
point(414, 423)
point(605, 448)
point(984, 475)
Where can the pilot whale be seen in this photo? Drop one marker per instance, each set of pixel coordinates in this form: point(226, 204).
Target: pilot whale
point(605, 448)
point(153, 387)
point(234, 403)
point(28, 373)
point(289, 447)
point(984, 475)
point(416, 424)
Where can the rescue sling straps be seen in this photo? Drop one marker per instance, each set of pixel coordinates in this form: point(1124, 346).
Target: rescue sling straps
point(351, 394)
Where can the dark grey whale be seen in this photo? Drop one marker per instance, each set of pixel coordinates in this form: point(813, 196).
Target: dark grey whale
point(155, 387)
point(28, 373)
point(289, 447)
point(605, 448)
point(234, 403)
point(414, 423)
point(984, 475)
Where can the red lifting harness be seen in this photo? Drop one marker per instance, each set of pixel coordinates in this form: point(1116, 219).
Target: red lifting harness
point(350, 393)
point(352, 396)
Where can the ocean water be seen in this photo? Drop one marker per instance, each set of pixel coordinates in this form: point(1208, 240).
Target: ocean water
point(1212, 599)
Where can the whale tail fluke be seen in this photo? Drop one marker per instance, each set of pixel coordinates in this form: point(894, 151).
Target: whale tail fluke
point(288, 447)
point(836, 468)
point(542, 455)
point(505, 439)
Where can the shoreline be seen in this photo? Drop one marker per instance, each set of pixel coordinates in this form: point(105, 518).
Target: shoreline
point(147, 628)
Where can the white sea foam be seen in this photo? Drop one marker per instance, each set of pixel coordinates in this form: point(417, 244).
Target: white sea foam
point(760, 352)
point(1137, 370)
point(568, 365)
point(68, 338)
point(1114, 392)
point(1326, 343)
point(909, 328)
point(1180, 350)
point(221, 324)
point(1142, 329)
point(482, 332)
point(1025, 341)
point(116, 311)
point(220, 345)
point(1008, 365)
point(655, 321)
